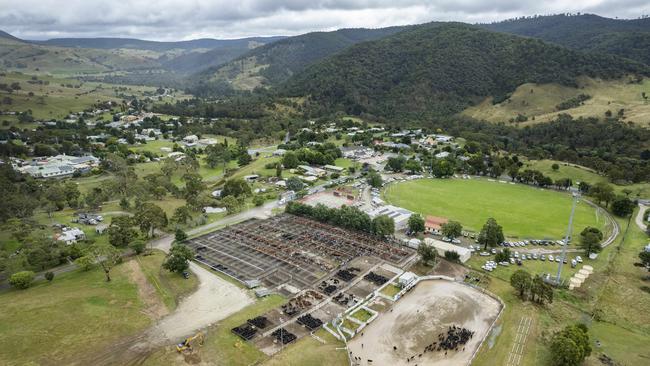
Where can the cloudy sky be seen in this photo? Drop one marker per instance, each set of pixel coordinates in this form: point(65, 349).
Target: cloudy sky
point(186, 19)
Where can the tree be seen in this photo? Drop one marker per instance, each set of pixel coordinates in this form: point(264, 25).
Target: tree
point(383, 225)
point(452, 229)
point(85, 263)
point(290, 160)
point(121, 232)
point(427, 253)
point(502, 256)
point(555, 167)
point(178, 258)
point(244, 159)
point(236, 187)
point(49, 276)
point(521, 281)
point(396, 164)
point(645, 258)
point(182, 215)
point(106, 255)
point(622, 206)
point(258, 200)
point(232, 204)
point(602, 192)
point(124, 203)
point(138, 246)
point(413, 166)
point(416, 223)
point(19, 229)
point(452, 256)
point(590, 239)
point(149, 217)
point(294, 184)
point(72, 194)
point(491, 234)
point(159, 192)
point(570, 346)
point(180, 236)
point(541, 291)
point(22, 280)
point(374, 179)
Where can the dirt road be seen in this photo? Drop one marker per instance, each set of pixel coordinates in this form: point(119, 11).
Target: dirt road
point(639, 217)
point(215, 299)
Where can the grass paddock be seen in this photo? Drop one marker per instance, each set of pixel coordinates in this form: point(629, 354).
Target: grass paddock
point(523, 211)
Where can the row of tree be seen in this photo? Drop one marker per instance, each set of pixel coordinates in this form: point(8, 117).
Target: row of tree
point(346, 217)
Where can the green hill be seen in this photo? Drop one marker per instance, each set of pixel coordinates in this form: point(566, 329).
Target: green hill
point(622, 37)
point(434, 70)
point(276, 62)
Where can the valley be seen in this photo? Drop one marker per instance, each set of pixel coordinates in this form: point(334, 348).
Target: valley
point(254, 192)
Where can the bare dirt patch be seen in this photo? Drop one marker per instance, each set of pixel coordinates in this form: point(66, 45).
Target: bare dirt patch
point(416, 320)
point(154, 307)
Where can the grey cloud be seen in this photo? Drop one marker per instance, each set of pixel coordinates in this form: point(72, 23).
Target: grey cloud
point(184, 19)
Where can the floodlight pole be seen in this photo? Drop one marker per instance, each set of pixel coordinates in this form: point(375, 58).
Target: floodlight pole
point(576, 196)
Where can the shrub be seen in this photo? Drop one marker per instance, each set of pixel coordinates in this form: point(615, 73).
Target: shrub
point(49, 276)
point(452, 256)
point(21, 280)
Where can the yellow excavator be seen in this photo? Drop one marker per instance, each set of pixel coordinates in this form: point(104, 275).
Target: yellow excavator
point(190, 343)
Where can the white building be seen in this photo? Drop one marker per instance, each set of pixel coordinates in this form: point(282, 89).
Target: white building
point(441, 247)
point(70, 235)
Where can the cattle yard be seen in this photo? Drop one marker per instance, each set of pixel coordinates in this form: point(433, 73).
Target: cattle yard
point(322, 268)
point(287, 249)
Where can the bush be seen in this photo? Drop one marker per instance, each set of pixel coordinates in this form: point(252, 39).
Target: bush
point(138, 246)
point(258, 200)
point(49, 276)
point(21, 280)
point(452, 256)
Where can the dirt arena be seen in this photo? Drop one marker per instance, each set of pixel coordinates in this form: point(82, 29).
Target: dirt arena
point(417, 319)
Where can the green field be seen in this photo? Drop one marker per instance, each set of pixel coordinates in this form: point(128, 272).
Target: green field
point(58, 97)
point(78, 313)
point(523, 211)
point(391, 290)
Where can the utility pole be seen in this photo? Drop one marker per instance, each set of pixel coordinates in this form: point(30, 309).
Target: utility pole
point(576, 196)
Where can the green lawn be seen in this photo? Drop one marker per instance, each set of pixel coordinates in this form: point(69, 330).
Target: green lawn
point(345, 163)
point(523, 211)
point(391, 290)
point(79, 312)
point(362, 315)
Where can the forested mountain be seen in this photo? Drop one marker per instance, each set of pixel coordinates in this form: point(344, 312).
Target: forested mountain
point(276, 62)
point(432, 70)
point(587, 32)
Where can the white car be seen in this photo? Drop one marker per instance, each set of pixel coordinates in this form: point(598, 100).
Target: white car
point(558, 259)
point(579, 259)
point(550, 258)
